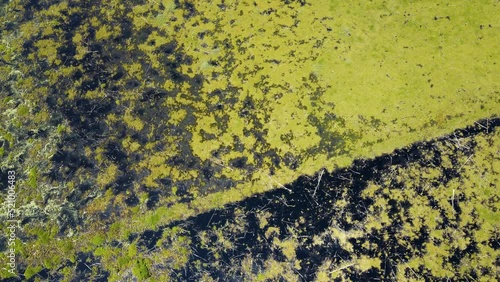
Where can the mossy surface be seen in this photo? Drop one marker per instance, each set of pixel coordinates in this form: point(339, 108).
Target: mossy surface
point(124, 117)
point(424, 212)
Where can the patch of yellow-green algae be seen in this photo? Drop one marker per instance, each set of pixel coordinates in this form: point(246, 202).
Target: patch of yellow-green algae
point(433, 217)
point(376, 75)
point(317, 85)
point(472, 192)
point(445, 225)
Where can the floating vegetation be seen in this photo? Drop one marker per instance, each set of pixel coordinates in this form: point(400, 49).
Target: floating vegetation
point(413, 214)
point(134, 122)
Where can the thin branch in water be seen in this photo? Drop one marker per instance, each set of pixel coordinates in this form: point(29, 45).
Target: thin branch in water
point(319, 180)
point(279, 184)
point(342, 268)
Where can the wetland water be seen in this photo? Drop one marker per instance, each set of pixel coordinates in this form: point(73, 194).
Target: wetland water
point(146, 133)
point(253, 231)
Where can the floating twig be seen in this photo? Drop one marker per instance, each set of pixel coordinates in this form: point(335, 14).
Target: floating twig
point(319, 180)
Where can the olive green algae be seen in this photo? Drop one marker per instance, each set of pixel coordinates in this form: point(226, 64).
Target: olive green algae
point(204, 104)
point(425, 212)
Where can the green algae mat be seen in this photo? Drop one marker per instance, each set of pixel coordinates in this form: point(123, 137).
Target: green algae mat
point(249, 140)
